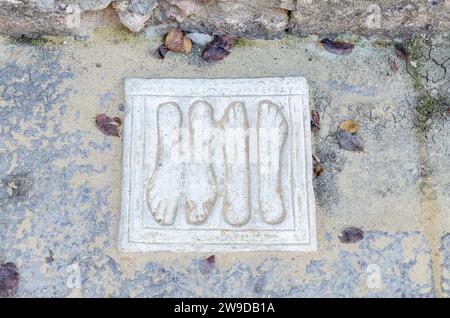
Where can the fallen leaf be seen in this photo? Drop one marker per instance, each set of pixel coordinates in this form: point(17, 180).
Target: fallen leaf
point(219, 48)
point(318, 169)
point(161, 51)
point(117, 120)
point(351, 235)
point(316, 158)
point(393, 65)
point(350, 126)
point(107, 125)
point(337, 47)
point(402, 52)
point(187, 45)
point(349, 141)
point(315, 121)
point(208, 264)
point(211, 259)
point(9, 279)
point(174, 40)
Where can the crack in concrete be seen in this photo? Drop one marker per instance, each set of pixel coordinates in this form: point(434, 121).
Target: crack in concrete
point(430, 214)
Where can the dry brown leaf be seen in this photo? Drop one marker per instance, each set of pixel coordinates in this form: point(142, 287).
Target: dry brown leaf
point(219, 48)
point(351, 235)
point(207, 265)
point(336, 47)
point(315, 121)
point(117, 120)
point(108, 125)
point(174, 40)
point(318, 169)
point(187, 45)
point(211, 259)
point(350, 126)
point(316, 158)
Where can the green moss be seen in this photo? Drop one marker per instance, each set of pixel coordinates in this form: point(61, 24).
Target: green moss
point(243, 42)
point(382, 43)
point(38, 41)
point(26, 40)
point(413, 47)
point(356, 39)
point(428, 108)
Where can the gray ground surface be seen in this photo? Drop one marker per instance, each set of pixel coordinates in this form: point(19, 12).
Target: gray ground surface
point(61, 178)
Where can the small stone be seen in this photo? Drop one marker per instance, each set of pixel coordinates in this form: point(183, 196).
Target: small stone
point(81, 38)
point(200, 38)
point(134, 14)
point(49, 259)
point(153, 32)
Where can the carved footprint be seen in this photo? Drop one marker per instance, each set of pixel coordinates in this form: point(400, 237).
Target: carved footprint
point(272, 133)
point(201, 184)
point(236, 204)
point(164, 187)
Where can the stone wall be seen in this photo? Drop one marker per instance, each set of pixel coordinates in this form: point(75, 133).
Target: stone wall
point(251, 18)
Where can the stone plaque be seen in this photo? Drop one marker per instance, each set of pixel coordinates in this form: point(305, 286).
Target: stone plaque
point(217, 165)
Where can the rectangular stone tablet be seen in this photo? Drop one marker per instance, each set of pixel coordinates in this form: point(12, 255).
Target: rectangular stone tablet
point(217, 165)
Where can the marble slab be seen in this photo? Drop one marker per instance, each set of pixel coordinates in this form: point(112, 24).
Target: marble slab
point(217, 165)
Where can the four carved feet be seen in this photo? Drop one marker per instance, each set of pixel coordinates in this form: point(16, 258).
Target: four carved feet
point(200, 189)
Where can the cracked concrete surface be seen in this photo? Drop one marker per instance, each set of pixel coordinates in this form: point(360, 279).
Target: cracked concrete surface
point(61, 178)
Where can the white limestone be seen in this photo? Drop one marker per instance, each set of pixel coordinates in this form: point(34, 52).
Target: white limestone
point(217, 165)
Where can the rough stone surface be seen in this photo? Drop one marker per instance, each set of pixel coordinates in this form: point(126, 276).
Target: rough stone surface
point(33, 18)
point(134, 13)
point(61, 231)
point(93, 5)
point(386, 17)
point(250, 18)
point(256, 18)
